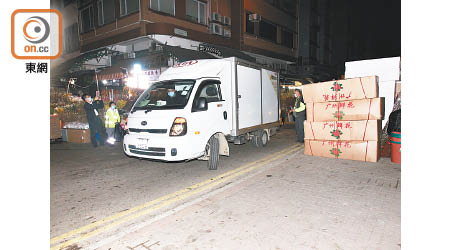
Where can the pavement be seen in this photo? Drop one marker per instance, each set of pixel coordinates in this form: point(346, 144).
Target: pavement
point(260, 198)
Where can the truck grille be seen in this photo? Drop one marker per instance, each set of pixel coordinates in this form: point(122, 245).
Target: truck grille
point(152, 151)
point(153, 131)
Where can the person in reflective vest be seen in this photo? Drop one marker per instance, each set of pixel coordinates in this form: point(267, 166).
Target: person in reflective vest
point(300, 115)
point(111, 118)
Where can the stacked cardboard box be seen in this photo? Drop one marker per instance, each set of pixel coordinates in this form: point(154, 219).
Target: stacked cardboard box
point(343, 119)
point(388, 71)
point(55, 127)
point(78, 135)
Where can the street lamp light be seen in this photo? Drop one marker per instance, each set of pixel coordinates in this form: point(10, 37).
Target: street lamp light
point(137, 68)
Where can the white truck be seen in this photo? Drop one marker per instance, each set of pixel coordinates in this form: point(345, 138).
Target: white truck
point(199, 106)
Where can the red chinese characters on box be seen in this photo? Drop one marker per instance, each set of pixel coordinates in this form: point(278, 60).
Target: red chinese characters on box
point(351, 150)
point(342, 130)
point(343, 119)
point(341, 90)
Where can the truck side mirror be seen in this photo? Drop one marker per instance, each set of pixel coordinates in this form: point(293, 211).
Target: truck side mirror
point(201, 104)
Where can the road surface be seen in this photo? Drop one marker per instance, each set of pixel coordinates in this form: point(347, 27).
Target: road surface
point(260, 198)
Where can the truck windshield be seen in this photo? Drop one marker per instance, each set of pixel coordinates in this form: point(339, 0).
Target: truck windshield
point(172, 94)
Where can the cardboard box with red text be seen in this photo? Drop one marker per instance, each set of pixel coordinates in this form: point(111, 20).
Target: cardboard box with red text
point(364, 130)
point(365, 109)
point(351, 150)
point(341, 90)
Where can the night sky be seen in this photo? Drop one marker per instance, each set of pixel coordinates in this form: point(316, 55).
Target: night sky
point(375, 28)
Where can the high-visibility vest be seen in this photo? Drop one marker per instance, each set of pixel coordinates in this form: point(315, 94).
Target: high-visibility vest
point(111, 117)
point(299, 106)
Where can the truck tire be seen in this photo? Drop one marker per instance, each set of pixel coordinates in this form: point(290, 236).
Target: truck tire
point(213, 160)
point(260, 138)
point(256, 139)
point(264, 138)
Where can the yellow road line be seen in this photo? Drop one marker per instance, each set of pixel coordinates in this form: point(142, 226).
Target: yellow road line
point(153, 202)
point(126, 212)
point(170, 201)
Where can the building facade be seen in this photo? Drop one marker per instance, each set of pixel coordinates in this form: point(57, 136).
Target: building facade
point(71, 39)
point(323, 26)
point(115, 34)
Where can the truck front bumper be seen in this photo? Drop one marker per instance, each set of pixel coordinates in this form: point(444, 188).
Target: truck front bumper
point(161, 147)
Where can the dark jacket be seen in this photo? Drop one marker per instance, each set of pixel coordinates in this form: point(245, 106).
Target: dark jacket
point(89, 108)
point(394, 124)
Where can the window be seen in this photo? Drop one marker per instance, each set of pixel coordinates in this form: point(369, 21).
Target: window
point(101, 21)
point(105, 11)
point(67, 2)
point(196, 11)
point(249, 26)
point(128, 7)
point(211, 91)
point(71, 41)
point(313, 54)
point(172, 94)
point(82, 2)
point(166, 6)
point(287, 39)
point(288, 6)
point(268, 31)
point(87, 18)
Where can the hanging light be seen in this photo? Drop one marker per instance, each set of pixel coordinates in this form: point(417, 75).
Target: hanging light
point(137, 68)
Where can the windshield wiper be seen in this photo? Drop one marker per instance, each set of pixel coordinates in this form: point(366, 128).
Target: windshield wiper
point(149, 109)
point(140, 108)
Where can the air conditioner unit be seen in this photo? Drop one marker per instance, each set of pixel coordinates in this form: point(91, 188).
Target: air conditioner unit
point(226, 32)
point(216, 17)
point(129, 55)
point(254, 17)
point(215, 28)
point(226, 20)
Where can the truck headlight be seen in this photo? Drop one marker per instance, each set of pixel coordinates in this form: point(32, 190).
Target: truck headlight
point(179, 127)
point(125, 126)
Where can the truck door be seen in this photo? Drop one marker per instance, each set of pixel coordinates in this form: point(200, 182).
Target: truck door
point(215, 118)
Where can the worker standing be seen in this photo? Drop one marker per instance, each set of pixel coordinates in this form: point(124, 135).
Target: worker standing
point(112, 117)
point(300, 115)
point(95, 124)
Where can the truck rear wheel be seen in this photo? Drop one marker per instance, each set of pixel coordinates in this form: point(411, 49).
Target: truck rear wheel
point(213, 160)
point(256, 139)
point(260, 138)
point(264, 138)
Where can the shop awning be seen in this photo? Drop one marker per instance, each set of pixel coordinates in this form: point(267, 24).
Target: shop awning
point(111, 73)
point(182, 55)
point(225, 52)
point(72, 64)
point(205, 51)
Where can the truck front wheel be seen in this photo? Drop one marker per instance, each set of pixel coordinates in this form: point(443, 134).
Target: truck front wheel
point(213, 147)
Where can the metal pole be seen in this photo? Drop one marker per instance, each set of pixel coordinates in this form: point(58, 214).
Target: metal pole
point(96, 79)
